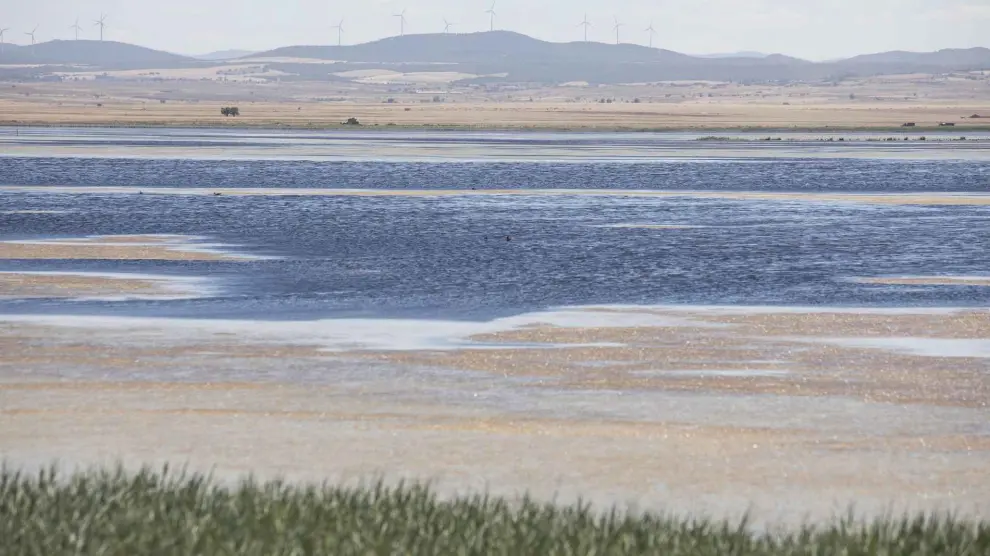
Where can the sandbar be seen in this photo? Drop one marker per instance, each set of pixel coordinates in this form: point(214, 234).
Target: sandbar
point(166, 248)
point(928, 281)
point(947, 199)
point(96, 286)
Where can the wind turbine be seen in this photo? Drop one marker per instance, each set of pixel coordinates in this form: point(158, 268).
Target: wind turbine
point(585, 23)
point(652, 32)
point(616, 29)
point(76, 28)
point(402, 22)
point(31, 34)
point(446, 26)
point(101, 23)
point(491, 12)
point(340, 31)
point(2, 31)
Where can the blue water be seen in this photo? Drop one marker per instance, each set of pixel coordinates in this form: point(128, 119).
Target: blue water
point(448, 257)
point(763, 174)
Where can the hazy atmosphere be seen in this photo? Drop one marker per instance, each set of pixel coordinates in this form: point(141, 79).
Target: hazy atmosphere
point(805, 28)
point(635, 277)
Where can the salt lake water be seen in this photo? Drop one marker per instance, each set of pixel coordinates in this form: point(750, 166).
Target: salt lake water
point(471, 255)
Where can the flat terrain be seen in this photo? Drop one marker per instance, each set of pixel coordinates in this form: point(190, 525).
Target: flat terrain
point(787, 414)
point(178, 99)
point(786, 332)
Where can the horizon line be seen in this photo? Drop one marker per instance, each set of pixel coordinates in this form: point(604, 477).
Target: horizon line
point(739, 53)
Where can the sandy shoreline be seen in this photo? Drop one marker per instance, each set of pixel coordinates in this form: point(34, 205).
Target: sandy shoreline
point(97, 286)
point(123, 247)
point(787, 413)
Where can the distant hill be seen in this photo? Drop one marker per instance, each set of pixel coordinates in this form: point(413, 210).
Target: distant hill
point(224, 55)
point(527, 59)
point(948, 57)
point(518, 58)
point(102, 54)
point(743, 54)
point(486, 47)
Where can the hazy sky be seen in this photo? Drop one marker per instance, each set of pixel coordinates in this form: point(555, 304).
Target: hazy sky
point(814, 29)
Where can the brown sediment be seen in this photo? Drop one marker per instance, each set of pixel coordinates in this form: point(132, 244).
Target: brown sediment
point(927, 281)
point(28, 285)
point(784, 353)
point(601, 460)
point(321, 432)
point(105, 252)
point(121, 247)
point(31, 346)
point(745, 357)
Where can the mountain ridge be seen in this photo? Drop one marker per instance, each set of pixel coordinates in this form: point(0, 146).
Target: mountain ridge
point(518, 57)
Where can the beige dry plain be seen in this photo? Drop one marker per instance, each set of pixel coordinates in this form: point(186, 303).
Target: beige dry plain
point(176, 99)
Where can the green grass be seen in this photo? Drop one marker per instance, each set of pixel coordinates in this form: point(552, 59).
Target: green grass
point(119, 513)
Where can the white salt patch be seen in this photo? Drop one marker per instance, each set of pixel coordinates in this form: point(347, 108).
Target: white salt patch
point(944, 280)
point(650, 226)
point(729, 373)
point(925, 347)
point(417, 334)
point(363, 334)
point(743, 310)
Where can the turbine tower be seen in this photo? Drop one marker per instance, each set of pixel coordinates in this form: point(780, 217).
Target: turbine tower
point(491, 11)
point(585, 23)
point(2, 31)
point(446, 26)
point(76, 28)
point(616, 29)
point(101, 23)
point(652, 32)
point(402, 22)
point(340, 31)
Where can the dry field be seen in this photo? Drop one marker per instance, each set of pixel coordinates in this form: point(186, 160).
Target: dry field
point(130, 100)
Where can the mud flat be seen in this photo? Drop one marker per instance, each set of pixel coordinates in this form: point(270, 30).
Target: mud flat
point(98, 286)
point(123, 247)
point(787, 413)
point(928, 281)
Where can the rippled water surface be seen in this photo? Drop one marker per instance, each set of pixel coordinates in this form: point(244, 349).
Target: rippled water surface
point(475, 256)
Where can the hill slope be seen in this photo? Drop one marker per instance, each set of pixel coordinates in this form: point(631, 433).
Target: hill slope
point(103, 54)
point(223, 55)
point(486, 47)
point(518, 57)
